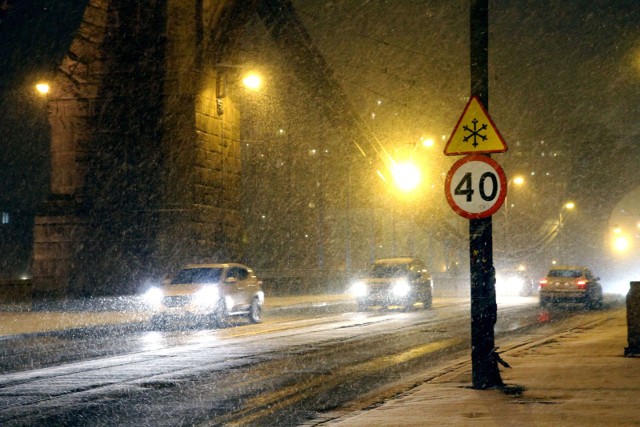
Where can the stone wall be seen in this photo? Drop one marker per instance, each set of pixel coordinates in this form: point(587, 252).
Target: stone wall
point(145, 154)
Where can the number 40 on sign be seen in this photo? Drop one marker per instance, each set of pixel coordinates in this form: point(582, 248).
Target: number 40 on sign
point(476, 186)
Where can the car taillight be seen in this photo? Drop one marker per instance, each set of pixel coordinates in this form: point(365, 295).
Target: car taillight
point(543, 283)
point(582, 284)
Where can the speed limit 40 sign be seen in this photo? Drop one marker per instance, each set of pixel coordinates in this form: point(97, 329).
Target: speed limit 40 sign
point(476, 186)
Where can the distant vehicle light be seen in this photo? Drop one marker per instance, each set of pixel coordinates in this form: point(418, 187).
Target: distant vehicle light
point(582, 284)
point(543, 283)
point(207, 296)
point(153, 296)
point(509, 285)
point(401, 288)
point(515, 282)
point(359, 289)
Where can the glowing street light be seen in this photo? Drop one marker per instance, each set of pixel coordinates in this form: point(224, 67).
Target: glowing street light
point(621, 244)
point(252, 81)
point(42, 88)
point(406, 176)
point(427, 142)
point(619, 240)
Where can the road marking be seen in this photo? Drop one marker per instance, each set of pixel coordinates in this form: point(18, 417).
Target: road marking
point(268, 403)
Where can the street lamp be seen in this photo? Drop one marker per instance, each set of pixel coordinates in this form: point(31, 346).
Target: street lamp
point(406, 176)
point(42, 88)
point(252, 81)
point(427, 142)
point(620, 242)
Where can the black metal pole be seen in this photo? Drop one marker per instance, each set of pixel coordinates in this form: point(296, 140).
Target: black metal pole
point(484, 360)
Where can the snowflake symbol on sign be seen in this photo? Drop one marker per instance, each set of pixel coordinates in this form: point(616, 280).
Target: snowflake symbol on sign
point(475, 132)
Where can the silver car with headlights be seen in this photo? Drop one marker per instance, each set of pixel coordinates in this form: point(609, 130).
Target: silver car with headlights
point(394, 282)
point(209, 293)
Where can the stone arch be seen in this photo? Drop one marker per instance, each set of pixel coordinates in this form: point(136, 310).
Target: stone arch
point(144, 167)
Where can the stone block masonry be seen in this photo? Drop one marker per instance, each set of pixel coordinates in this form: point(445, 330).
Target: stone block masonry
point(145, 169)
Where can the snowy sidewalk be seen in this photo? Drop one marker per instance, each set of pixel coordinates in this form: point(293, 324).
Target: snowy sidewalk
point(578, 378)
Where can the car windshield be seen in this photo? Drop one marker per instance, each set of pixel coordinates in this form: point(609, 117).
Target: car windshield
point(384, 271)
point(565, 273)
point(197, 276)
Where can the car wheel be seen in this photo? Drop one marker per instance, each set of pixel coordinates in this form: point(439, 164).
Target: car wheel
point(255, 312)
point(599, 303)
point(158, 321)
point(220, 315)
point(427, 301)
point(409, 305)
point(589, 303)
point(593, 303)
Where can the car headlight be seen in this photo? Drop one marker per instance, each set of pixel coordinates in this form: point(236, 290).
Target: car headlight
point(359, 289)
point(401, 288)
point(207, 296)
point(153, 296)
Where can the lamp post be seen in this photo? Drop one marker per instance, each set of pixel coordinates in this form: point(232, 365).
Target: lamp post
point(518, 181)
point(406, 177)
point(568, 206)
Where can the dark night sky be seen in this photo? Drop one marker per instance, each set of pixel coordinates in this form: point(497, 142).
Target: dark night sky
point(34, 36)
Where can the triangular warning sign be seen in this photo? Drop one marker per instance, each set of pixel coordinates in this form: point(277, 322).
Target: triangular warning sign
point(475, 132)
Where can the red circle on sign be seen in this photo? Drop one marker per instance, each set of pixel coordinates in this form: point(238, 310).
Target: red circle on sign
point(465, 164)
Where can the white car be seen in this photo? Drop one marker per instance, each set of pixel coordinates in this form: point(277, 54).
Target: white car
point(208, 292)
